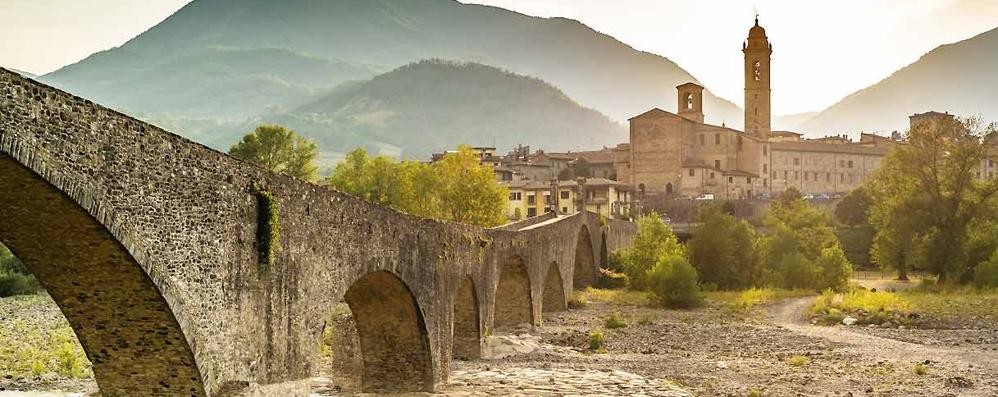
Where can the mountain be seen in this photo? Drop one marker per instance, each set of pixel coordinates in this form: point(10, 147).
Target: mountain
point(435, 105)
point(215, 61)
point(959, 78)
point(25, 74)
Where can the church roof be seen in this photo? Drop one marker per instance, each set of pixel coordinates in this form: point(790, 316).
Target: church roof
point(654, 113)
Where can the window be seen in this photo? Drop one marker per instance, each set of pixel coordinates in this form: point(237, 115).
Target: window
point(850, 163)
point(785, 175)
point(748, 181)
point(796, 175)
point(717, 139)
point(693, 172)
point(564, 194)
point(702, 139)
point(796, 161)
point(717, 164)
point(765, 150)
point(765, 168)
point(547, 199)
point(805, 175)
point(532, 211)
point(764, 182)
point(515, 196)
point(757, 71)
point(842, 178)
point(531, 199)
point(731, 179)
point(564, 210)
point(711, 175)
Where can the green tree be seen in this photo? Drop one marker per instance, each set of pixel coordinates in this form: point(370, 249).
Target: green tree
point(986, 273)
point(834, 270)
point(654, 240)
point(854, 208)
point(280, 150)
point(468, 190)
point(928, 195)
point(456, 188)
point(723, 249)
point(673, 282)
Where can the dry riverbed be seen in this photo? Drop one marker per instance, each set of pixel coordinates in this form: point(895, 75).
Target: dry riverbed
point(711, 351)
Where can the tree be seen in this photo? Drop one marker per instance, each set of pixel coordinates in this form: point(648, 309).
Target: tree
point(854, 208)
point(673, 282)
point(456, 188)
point(834, 270)
point(722, 249)
point(654, 240)
point(799, 235)
point(280, 150)
point(468, 190)
point(928, 194)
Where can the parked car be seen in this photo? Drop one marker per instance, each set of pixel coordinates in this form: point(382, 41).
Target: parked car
point(705, 197)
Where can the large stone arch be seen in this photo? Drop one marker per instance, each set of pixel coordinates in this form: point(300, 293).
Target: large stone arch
point(554, 291)
point(125, 324)
point(584, 273)
point(513, 303)
point(393, 337)
point(467, 322)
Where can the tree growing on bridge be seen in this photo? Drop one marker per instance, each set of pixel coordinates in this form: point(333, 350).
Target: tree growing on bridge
point(930, 195)
point(456, 188)
point(280, 150)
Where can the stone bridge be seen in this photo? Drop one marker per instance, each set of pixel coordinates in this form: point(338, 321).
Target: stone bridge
point(187, 272)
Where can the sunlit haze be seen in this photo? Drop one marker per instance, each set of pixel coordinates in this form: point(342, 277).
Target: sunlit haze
point(822, 50)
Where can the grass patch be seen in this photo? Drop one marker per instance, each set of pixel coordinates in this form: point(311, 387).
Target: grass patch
point(920, 369)
point(614, 321)
point(752, 297)
point(614, 296)
point(798, 360)
point(963, 301)
point(597, 341)
point(35, 345)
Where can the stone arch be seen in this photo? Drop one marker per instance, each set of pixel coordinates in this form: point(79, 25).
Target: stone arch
point(393, 337)
point(554, 291)
point(122, 319)
point(467, 332)
point(584, 274)
point(513, 303)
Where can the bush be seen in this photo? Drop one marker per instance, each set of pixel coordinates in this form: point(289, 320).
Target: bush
point(920, 369)
point(614, 321)
point(654, 240)
point(673, 281)
point(798, 360)
point(723, 250)
point(597, 341)
point(834, 270)
point(611, 279)
point(12, 284)
point(986, 274)
point(795, 271)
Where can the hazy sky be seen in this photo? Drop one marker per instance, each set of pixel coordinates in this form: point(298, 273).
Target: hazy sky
point(822, 50)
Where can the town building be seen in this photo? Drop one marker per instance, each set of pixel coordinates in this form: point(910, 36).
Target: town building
point(529, 198)
point(679, 154)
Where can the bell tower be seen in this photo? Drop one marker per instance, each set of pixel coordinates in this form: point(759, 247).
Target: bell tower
point(757, 52)
point(690, 101)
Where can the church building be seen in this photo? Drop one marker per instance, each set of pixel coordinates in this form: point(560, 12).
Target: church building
point(679, 154)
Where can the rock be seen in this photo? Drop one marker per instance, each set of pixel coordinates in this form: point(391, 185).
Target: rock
point(849, 320)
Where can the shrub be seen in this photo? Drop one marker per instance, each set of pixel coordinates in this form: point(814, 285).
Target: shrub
point(920, 369)
point(597, 341)
point(798, 360)
point(796, 271)
point(723, 250)
point(833, 269)
point(578, 300)
point(614, 321)
point(653, 240)
point(12, 284)
point(611, 279)
point(673, 281)
point(986, 274)
point(754, 296)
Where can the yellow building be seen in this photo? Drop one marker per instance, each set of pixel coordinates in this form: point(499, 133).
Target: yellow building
point(529, 198)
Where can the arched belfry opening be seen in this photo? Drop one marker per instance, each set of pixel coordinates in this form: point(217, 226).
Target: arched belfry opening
point(394, 345)
point(126, 325)
point(467, 322)
point(584, 273)
point(554, 291)
point(513, 303)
